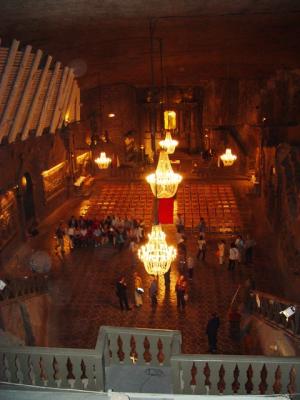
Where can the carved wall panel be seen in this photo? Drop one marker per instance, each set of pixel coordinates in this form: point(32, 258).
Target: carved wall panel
point(54, 180)
point(8, 218)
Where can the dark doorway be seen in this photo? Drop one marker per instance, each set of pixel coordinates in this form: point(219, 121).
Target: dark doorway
point(27, 195)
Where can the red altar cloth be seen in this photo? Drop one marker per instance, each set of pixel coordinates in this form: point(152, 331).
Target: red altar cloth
point(165, 211)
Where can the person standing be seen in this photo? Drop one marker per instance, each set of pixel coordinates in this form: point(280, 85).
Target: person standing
point(121, 291)
point(190, 266)
point(201, 248)
point(239, 244)
point(212, 332)
point(233, 257)
point(249, 244)
point(202, 227)
point(59, 234)
point(138, 290)
point(180, 288)
point(153, 292)
point(221, 251)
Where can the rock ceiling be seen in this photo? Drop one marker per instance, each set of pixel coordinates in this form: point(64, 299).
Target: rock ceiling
point(107, 41)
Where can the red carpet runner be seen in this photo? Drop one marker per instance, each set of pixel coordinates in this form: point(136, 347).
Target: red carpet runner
point(165, 211)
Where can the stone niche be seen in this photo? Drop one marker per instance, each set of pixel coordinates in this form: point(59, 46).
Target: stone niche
point(8, 218)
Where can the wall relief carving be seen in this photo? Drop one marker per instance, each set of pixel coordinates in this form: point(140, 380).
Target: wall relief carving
point(54, 180)
point(8, 218)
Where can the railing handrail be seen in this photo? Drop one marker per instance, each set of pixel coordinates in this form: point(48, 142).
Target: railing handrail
point(149, 331)
point(20, 287)
point(275, 298)
point(233, 358)
point(47, 350)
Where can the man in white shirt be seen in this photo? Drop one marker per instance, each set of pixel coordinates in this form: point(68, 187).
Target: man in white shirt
point(233, 257)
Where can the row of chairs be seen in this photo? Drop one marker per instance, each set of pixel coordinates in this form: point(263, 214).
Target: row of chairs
point(122, 200)
point(216, 203)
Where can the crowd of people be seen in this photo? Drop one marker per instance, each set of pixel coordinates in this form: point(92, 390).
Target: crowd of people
point(116, 231)
point(85, 232)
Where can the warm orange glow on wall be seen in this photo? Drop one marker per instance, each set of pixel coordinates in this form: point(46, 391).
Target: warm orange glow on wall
point(111, 115)
point(23, 181)
point(67, 117)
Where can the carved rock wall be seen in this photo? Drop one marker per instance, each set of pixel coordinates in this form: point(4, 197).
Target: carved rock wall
point(119, 99)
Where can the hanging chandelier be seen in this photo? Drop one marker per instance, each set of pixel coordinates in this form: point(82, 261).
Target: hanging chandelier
point(156, 255)
point(228, 158)
point(168, 143)
point(103, 161)
point(164, 181)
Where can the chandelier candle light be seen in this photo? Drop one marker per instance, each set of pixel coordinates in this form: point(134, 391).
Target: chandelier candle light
point(228, 158)
point(164, 181)
point(103, 161)
point(156, 255)
point(168, 143)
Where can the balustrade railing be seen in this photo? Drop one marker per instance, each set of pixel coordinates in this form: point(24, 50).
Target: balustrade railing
point(137, 346)
point(272, 307)
point(52, 367)
point(230, 375)
point(117, 346)
point(23, 287)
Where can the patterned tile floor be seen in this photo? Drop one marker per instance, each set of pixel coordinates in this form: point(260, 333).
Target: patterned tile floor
point(82, 290)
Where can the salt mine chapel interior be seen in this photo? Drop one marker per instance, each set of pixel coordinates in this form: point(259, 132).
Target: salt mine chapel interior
point(149, 199)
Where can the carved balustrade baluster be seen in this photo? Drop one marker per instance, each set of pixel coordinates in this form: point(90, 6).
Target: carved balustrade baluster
point(160, 354)
point(70, 376)
point(120, 351)
point(4, 370)
point(133, 352)
point(43, 375)
point(31, 374)
point(236, 384)
point(56, 372)
point(193, 382)
point(249, 383)
point(206, 372)
point(277, 383)
point(221, 384)
point(147, 355)
point(291, 387)
point(263, 386)
point(83, 377)
point(19, 372)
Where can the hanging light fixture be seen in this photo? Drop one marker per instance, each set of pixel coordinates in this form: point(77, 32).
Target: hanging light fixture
point(164, 181)
point(156, 255)
point(168, 143)
point(103, 161)
point(228, 158)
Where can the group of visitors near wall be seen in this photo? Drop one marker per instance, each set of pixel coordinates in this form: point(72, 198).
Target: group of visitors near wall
point(240, 250)
point(87, 232)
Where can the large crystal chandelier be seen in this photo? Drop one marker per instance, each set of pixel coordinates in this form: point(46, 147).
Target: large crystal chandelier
point(103, 161)
point(168, 143)
point(164, 181)
point(156, 254)
point(228, 158)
